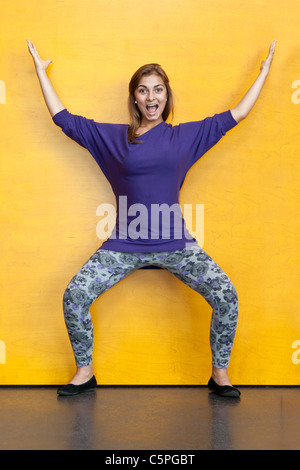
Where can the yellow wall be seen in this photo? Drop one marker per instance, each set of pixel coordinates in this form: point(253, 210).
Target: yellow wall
point(150, 328)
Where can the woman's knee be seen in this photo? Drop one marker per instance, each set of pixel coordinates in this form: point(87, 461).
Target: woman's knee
point(226, 304)
point(74, 295)
point(230, 293)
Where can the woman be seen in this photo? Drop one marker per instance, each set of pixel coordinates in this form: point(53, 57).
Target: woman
point(146, 164)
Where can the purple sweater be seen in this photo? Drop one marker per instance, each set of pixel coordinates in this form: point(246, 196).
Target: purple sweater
point(146, 178)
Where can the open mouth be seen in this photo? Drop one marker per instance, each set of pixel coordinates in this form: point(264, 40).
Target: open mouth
point(152, 108)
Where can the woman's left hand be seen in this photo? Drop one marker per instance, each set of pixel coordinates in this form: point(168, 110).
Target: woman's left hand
point(266, 64)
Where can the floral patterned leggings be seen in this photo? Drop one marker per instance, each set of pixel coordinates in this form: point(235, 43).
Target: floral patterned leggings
point(191, 265)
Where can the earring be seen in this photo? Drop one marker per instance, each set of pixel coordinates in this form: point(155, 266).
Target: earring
point(135, 102)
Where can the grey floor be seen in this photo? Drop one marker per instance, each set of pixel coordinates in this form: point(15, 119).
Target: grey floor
point(149, 418)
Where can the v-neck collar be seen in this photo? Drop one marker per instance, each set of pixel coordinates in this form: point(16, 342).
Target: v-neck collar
point(152, 129)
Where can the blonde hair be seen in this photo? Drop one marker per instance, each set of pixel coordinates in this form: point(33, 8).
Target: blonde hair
point(135, 114)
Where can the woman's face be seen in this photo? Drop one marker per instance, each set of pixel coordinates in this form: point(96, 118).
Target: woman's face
point(151, 96)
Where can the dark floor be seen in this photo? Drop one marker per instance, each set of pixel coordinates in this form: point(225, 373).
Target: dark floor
point(149, 418)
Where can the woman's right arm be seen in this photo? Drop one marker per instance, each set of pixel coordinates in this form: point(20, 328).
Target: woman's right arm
point(243, 108)
point(53, 102)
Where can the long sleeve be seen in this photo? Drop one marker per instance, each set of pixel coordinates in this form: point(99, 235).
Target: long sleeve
point(97, 138)
point(198, 137)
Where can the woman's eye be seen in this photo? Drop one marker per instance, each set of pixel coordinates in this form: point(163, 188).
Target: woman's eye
point(159, 90)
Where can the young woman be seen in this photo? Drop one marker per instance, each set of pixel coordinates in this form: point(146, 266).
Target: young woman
point(146, 164)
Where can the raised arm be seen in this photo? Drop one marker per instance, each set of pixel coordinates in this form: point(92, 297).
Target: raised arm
point(53, 102)
point(243, 108)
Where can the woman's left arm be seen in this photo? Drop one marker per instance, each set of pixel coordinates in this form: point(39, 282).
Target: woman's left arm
point(243, 108)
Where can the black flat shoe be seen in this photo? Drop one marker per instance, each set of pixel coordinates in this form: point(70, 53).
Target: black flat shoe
point(71, 389)
point(223, 390)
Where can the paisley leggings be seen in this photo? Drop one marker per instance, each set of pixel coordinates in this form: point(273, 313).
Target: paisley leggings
point(191, 265)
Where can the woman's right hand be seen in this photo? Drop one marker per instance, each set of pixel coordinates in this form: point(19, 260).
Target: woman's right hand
point(52, 100)
point(39, 63)
point(266, 64)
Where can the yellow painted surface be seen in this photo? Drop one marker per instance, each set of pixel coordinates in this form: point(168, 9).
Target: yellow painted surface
point(150, 328)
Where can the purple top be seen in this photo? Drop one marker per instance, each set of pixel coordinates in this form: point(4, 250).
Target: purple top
point(146, 178)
